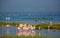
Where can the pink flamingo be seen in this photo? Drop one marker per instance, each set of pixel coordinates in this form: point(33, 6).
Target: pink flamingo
point(20, 30)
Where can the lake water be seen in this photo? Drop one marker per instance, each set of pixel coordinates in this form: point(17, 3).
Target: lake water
point(13, 30)
point(56, 19)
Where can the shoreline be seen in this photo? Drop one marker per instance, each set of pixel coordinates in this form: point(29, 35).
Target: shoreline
point(37, 26)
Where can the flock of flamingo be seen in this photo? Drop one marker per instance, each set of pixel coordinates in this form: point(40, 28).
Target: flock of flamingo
point(23, 29)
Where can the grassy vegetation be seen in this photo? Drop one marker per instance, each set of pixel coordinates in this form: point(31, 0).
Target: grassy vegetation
point(45, 26)
point(38, 26)
point(27, 37)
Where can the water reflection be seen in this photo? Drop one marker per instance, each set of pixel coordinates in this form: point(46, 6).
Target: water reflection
point(13, 31)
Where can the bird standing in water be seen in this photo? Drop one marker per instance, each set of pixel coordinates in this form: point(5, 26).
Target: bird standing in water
point(20, 30)
point(7, 26)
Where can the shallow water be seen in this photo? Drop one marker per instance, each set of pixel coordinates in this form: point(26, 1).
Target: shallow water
point(12, 30)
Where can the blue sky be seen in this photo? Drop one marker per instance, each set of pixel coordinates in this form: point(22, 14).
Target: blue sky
point(34, 7)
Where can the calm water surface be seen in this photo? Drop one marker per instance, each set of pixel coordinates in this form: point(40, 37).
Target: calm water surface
point(13, 30)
